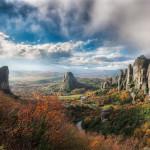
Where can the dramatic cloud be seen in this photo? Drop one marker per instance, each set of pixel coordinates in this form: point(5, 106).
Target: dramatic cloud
point(65, 54)
point(60, 30)
point(127, 20)
point(53, 51)
point(104, 58)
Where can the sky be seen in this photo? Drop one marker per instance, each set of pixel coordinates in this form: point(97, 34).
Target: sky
point(73, 35)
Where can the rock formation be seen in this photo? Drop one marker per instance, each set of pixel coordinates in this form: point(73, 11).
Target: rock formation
point(105, 114)
point(115, 80)
point(140, 68)
point(4, 83)
point(136, 77)
point(129, 76)
point(69, 82)
point(148, 76)
point(109, 80)
point(120, 80)
point(107, 83)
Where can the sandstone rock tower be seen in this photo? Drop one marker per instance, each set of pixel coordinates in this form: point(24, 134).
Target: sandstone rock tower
point(4, 83)
point(137, 77)
point(69, 82)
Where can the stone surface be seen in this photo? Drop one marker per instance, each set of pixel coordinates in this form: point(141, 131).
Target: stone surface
point(136, 77)
point(109, 80)
point(115, 80)
point(4, 81)
point(69, 82)
point(120, 81)
point(148, 76)
point(105, 114)
point(107, 83)
point(133, 95)
point(129, 77)
point(140, 73)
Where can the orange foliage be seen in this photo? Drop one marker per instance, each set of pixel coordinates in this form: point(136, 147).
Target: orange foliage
point(112, 143)
point(143, 133)
point(125, 96)
point(43, 125)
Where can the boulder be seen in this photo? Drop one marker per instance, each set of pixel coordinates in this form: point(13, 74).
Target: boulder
point(133, 95)
point(105, 114)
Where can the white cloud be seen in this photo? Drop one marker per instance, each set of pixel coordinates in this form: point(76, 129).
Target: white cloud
point(66, 54)
point(130, 18)
point(115, 66)
point(102, 56)
point(105, 58)
point(10, 49)
point(3, 36)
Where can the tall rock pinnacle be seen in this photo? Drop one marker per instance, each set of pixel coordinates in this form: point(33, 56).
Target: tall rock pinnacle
point(69, 82)
point(4, 75)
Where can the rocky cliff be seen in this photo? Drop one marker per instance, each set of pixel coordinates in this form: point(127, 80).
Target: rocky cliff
point(108, 82)
point(4, 83)
point(136, 76)
point(69, 82)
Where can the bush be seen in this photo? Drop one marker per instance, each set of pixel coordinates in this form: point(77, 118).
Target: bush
point(115, 97)
point(125, 97)
point(78, 91)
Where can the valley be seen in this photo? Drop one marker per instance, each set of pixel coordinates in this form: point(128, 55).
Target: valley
point(105, 107)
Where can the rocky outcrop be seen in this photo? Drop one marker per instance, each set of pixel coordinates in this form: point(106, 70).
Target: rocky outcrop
point(4, 82)
point(115, 81)
point(148, 77)
point(129, 77)
point(140, 68)
point(104, 85)
point(136, 77)
point(109, 80)
point(69, 82)
point(105, 114)
point(120, 81)
point(107, 83)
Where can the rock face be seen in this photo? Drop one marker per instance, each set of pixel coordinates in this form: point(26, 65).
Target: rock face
point(4, 83)
point(115, 81)
point(140, 68)
point(129, 76)
point(107, 83)
point(148, 76)
point(120, 81)
point(69, 82)
point(136, 77)
point(105, 114)
point(109, 80)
